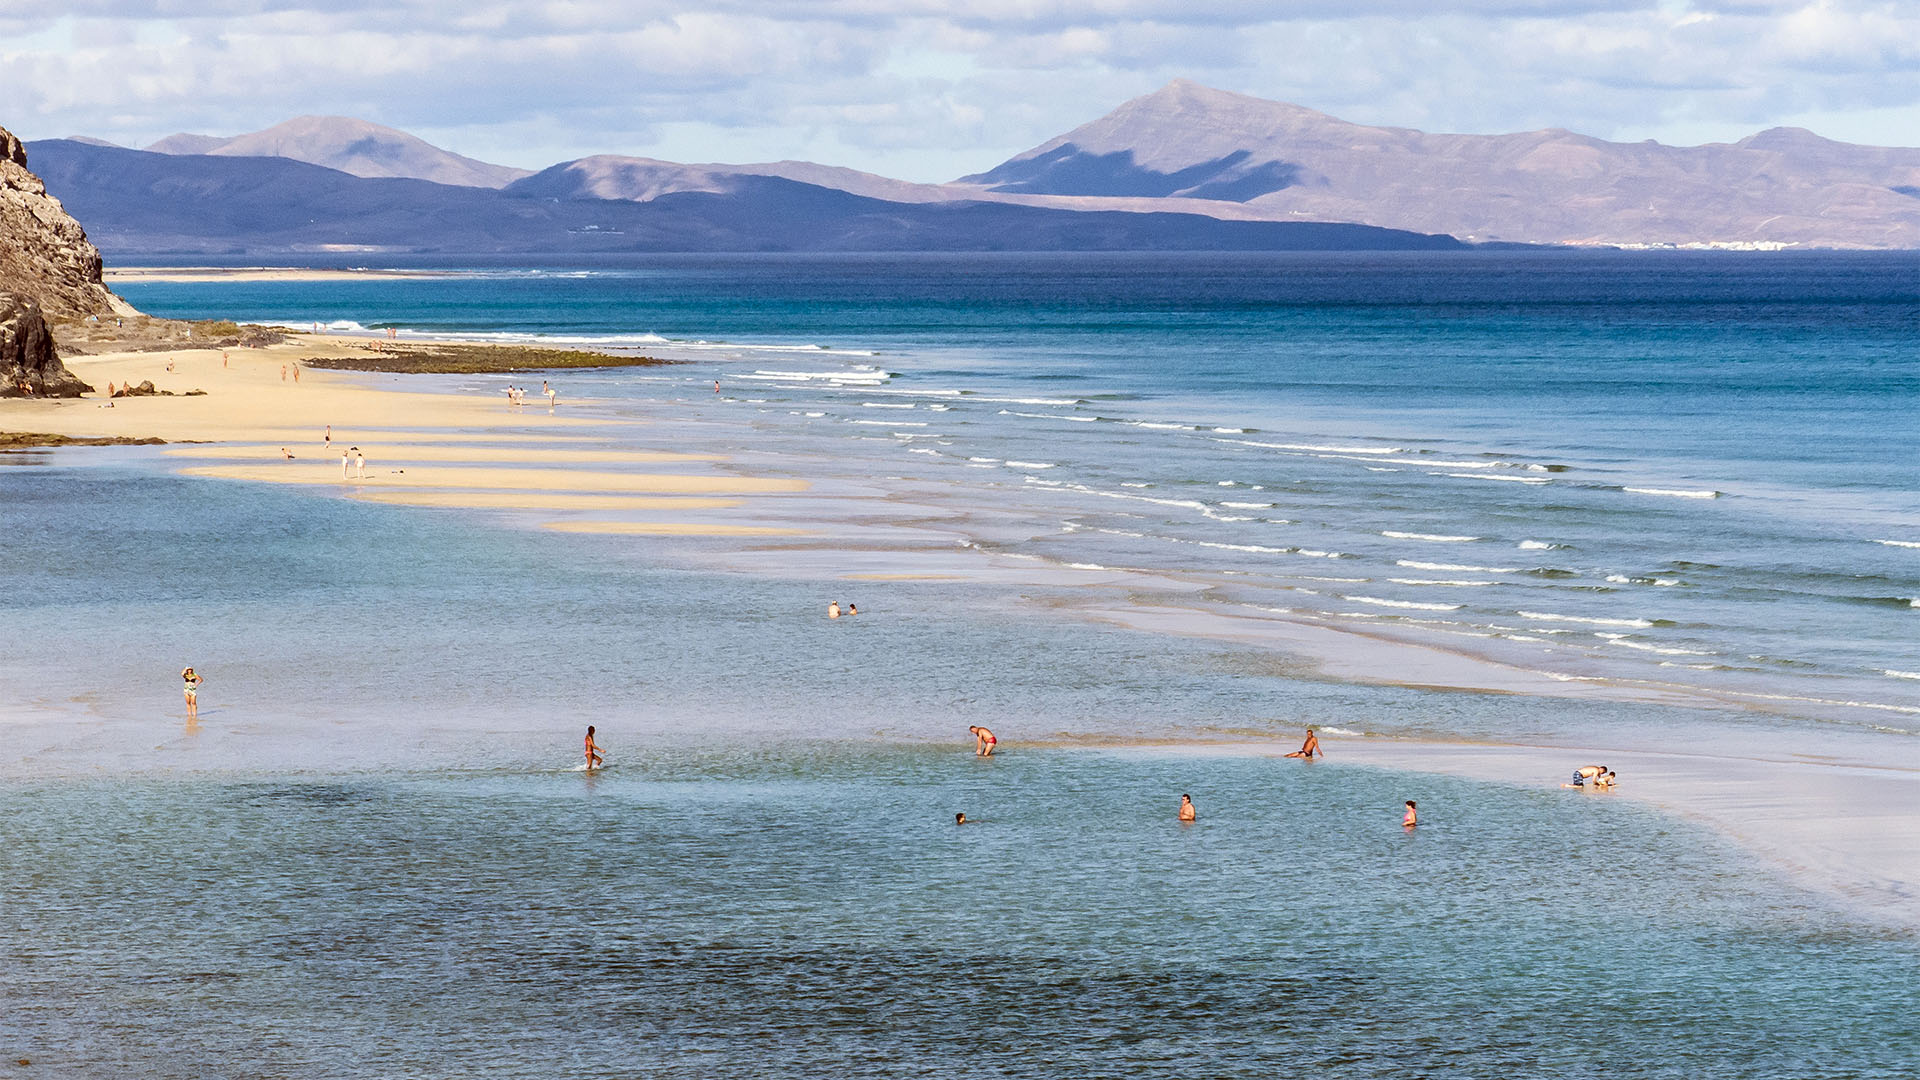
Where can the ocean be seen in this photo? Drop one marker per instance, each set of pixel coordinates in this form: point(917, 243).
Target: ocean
point(1682, 484)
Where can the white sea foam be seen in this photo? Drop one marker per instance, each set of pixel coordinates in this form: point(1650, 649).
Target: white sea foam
point(890, 423)
point(816, 415)
point(1622, 579)
point(1247, 505)
point(1159, 427)
point(869, 375)
point(986, 460)
point(1131, 484)
point(1549, 617)
point(1673, 493)
point(1027, 400)
point(1900, 543)
point(1625, 641)
point(1408, 604)
point(1339, 731)
point(1087, 566)
point(1376, 468)
point(1050, 416)
point(1438, 539)
point(1440, 581)
point(1255, 548)
point(888, 405)
point(1489, 476)
point(1310, 448)
point(923, 450)
point(1412, 564)
point(1231, 430)
point(1891, 673)
point(1538, 545)
point(1011, 464)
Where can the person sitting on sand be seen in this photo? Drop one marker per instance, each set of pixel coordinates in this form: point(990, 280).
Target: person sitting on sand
point(1186, 809)
point(1605, 780)
point(594, 760)
point(192, 680)
point(960, 819)
point(1412, 817)
point(983, 741)
point(1309, 748)
point(1587, 772)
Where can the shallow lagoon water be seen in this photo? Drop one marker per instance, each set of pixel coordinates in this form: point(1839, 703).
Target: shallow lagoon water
point(813, 910)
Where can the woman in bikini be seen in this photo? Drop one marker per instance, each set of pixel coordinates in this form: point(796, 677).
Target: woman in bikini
point(192, 680)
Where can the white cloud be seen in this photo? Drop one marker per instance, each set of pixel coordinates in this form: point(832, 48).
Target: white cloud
point(928, 88)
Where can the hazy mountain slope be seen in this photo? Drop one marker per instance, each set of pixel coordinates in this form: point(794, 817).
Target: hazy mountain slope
point(1283, 161)
point(610, 176)
point(145, 203)
point(351, 146)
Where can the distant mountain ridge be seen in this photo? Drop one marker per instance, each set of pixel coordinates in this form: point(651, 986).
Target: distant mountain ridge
point(1193, 150)
point(141, 203)
point(1278, 161)
point(352, 146)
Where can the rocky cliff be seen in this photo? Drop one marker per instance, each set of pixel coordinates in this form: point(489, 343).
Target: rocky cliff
point(44, 253)
point(28, 365)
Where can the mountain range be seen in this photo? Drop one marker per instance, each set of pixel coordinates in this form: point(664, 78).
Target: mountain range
point(1186, 166)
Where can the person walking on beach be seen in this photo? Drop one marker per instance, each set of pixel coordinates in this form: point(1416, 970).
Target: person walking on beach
point(360, 462)
point(594, 760)
point(327, 439)
point(983, 741)
point(296, 373)
point(283, 373)
point(1412, 817)
point(192, 680)
point(1309, 748)
point(1186, 809)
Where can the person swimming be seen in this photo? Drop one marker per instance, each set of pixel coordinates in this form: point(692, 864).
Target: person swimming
point(1412, 817)
point(594, 760)
point(960, 819)
point(1186, 808)
point(983, 741)
point(1309, 748)
point(833, 609)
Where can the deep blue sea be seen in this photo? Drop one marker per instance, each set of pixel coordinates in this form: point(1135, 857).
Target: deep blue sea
point(1687, 483)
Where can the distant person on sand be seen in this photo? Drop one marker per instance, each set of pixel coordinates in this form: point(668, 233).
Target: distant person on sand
point(983, 741)
point(285, 454)
point(1413, 816)
point(1587, 772)
point(594, 760)
point(327, 439)
point(833, 609)
point(1186, 808)
point(1309, 748)
point(346, 462)
point(283, 373)
point(192, 680)
point(296, 372)
point(360, 462)
point(959, 819)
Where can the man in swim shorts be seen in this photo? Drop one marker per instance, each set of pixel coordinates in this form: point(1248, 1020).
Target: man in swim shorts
point(594, 760)
point(1186, 808)
point(983, 741)
point(1309, 748)
point(1587, 772)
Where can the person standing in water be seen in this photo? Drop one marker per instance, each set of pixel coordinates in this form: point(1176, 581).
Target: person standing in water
point(192, 680)
point(594, 760)
point(1309, 748)
point(983, 741)
point(1413, 816)
point(960, 819)
point(1186, 809)
point(833, 609)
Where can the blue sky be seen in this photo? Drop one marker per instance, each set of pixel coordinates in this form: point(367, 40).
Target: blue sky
point(928, 90)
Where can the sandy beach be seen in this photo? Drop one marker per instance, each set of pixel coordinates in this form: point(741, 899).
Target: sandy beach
point(1830, 815)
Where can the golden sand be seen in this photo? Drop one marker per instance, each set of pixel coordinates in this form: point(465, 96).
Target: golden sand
point(408, 453)
point(669, 528)
point(535, 500)
point(499, 479)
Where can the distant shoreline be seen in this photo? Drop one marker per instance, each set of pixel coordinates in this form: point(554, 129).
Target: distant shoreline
point(206, 275)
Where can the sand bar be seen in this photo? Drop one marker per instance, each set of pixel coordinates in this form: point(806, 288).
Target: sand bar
point(537, 500)
point(508, 479)
point(668, 528)
point(414, 452)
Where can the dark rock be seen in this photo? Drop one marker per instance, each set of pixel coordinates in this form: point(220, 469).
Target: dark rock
point(28, 363)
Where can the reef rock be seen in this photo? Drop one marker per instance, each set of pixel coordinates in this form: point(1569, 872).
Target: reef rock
point(28, 364)
point(44, 253)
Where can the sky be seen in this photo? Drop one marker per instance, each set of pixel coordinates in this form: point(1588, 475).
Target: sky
point(930, 89)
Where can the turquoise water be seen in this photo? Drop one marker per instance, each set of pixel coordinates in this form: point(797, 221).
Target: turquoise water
point(369, 857)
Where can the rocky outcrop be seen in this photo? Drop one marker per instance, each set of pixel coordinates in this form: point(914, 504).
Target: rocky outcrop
point(44, 253)
point(28, 364)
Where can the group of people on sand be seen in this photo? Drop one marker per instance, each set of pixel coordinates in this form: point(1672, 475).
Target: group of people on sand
point(517, 395)
point(834, 609)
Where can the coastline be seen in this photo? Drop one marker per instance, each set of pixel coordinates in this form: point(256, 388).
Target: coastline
point(1829, 821)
